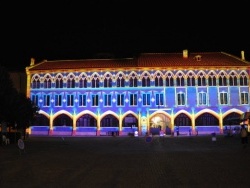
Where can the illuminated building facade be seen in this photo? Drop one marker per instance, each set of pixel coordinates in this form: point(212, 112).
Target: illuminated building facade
point(154, 92)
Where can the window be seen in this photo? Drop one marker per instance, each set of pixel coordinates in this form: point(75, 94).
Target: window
point(108, 81)
point(223, 98)
point(46, 100)
point(180, 99)
point(82, 100)
point(95, 100)
point(95, 82)
point(201, 79)
point(36, 84)
point(159, 99)
point(233, 79)
point(107, 100)
point(169, 80)
point(158, 80)
point(35, 99)
point(70, 100)
point(244, 98)
point(120, 82)
point(180, 80)
point(58, 100)
point(59, 82)
point(133, 81)
point(146, 99)
point(83, 83)
point(202, 98)
point(120, 100)
point(222, 79)
point(243, 79)
point(133, 99)
point(47, 82)
point(145, 81)
point(191, 79)
point(71, 83)
point(211, 79)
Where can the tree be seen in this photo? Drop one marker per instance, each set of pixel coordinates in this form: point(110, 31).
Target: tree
point(15, 107)
point(8, 95)
point(24, 113)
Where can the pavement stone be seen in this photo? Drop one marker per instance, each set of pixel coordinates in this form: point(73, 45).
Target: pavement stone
point(122, 162)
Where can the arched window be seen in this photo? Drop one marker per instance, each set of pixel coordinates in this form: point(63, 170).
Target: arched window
point(133, 81)
point(59, 81)
point(120, 82)
point(169, 80)
point(201, 79)
point(180, 80)
point(36, 82)
point(83, 82)
point(232, 79)
point(222, 79)
point(211, 79)
point(95, 81)
point(71, 81)
point(47, 81)
point(108, 80)
point(243, 79)
point(190, 79)
point(158, 80)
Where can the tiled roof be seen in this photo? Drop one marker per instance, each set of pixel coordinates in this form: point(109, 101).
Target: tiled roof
point(205, 59)
point(83, 64)
point(164, 60)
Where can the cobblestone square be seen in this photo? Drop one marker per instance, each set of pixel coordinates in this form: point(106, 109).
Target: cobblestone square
point(122, 162)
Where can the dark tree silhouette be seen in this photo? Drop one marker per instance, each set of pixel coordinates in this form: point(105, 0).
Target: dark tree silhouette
point(15, 107)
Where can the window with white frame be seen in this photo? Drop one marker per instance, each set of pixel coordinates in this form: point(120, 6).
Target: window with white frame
point(202, 100)
point(82, 100)
point(70, 100)
point(46, 100)
point(181, 99)
point(223, 98)
point(133, 99)
point(107, 100)
point(120, 100)
point(159, 99)
point(108, 81)
point(145, 99)
point(244, 98)
point(95, 99)
point(34, 99)
point(58, 100)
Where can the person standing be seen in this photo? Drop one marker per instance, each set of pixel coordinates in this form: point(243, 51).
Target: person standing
point(244, 134)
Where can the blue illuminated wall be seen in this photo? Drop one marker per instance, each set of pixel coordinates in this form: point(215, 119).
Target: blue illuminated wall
point(98, 101)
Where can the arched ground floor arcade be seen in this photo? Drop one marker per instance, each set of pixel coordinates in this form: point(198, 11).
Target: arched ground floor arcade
point(88, 123)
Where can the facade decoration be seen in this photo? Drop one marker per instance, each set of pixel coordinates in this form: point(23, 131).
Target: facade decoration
point(152, 93)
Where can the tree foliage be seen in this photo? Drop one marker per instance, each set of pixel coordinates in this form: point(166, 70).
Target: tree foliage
point(15, 107)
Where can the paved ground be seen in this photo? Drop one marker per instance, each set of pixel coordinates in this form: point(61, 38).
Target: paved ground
point(126, 162)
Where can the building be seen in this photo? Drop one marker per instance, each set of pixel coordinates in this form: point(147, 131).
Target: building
point(19, 81)
point(151, 93)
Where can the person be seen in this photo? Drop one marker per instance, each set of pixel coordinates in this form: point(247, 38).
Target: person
point(5, 140)
point(243, 135)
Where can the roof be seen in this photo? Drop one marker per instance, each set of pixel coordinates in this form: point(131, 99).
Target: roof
point(147, 60)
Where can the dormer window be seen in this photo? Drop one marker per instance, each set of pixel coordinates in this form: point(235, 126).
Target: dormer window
point(197, 57)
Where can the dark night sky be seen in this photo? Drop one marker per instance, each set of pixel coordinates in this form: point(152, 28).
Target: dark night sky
point(70, 30)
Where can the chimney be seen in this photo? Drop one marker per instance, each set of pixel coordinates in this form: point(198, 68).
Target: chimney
point(32, 61)
point(242, 55)
point(185, 54)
